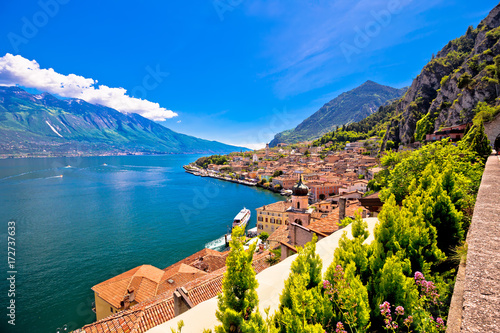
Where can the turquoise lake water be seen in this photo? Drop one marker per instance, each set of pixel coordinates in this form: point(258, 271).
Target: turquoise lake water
point(104, 216)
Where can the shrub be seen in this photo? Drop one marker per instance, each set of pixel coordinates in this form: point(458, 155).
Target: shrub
point(465, 80)
point(444, 80)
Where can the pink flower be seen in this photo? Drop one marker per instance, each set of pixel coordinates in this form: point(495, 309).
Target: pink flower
point(326, 284)
point(340, 328)
point(400, 311)
point(440, 323)
point(408, 321)
point(385, 309)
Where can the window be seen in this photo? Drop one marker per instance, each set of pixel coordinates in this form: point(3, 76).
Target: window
point(111, 309)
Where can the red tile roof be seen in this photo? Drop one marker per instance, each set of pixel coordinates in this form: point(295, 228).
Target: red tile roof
point(279, 235)
point(160, 309)
point(279, 206)
point(142, 280)
point(329, 224)
point(148, 281)
point(207, 260)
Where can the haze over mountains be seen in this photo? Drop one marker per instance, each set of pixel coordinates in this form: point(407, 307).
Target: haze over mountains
point(43, 125)
point(348, 107)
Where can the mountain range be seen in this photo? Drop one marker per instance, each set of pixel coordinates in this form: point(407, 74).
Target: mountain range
point(43, 125)
point(460, 81)
point(348, 107)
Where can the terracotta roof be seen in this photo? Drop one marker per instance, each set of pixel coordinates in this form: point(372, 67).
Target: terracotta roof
point(317, 215)
point(259, 261)
point(178, 276)
point(207, 260)
point(329, 224)
point(160, 309)
point(279, 235)
point(280, 206)
point(148, 281)
point(143, 280)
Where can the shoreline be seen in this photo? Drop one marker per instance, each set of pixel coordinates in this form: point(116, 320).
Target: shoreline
point(200, 172)
point(3, 157)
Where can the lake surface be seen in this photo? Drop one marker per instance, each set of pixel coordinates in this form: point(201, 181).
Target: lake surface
point(80, 221)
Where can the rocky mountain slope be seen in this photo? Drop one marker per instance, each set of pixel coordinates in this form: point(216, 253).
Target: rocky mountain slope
point(42, 125)
point(449, 88)
point(348, 107)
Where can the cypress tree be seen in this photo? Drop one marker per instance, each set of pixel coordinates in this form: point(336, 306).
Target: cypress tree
point(394, 286)
point(303, 305)
point(239, 298)
point(353, 250)
point(478, 141)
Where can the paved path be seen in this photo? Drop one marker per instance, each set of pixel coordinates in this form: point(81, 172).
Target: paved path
point(481, 288)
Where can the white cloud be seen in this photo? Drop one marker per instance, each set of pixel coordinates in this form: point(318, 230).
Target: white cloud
point(179, 121)
point(16, 70)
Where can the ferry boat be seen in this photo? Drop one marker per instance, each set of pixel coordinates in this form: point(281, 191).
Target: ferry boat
point(242, 218)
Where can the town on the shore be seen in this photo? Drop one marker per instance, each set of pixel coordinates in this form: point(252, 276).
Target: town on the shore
point(322, 185)
point(320, 190)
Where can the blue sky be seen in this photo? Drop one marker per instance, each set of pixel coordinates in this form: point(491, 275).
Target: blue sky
point(236, 71)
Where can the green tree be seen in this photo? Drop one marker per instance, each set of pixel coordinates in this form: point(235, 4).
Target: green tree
point(238, 299)
point(394, 286)
point(352, 251)
point(437, 206)
point(424, 127)
point(390, 145)
point(303, 305)
point(274, 256)
point(349, 296)
point(478, 141)
point(263, 236)
point(277, 173)
point(403, 168)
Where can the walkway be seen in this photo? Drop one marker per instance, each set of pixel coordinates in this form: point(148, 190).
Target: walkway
point(476, 304)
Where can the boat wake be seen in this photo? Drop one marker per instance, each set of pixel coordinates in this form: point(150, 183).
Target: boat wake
point(60, 176)
point(218, 244)
point(26, 173)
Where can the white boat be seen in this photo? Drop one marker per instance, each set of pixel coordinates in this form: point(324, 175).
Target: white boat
point(242, 218)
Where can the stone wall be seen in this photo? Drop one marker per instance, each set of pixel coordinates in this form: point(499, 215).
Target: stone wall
point(476, 299)
point(492, 129)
